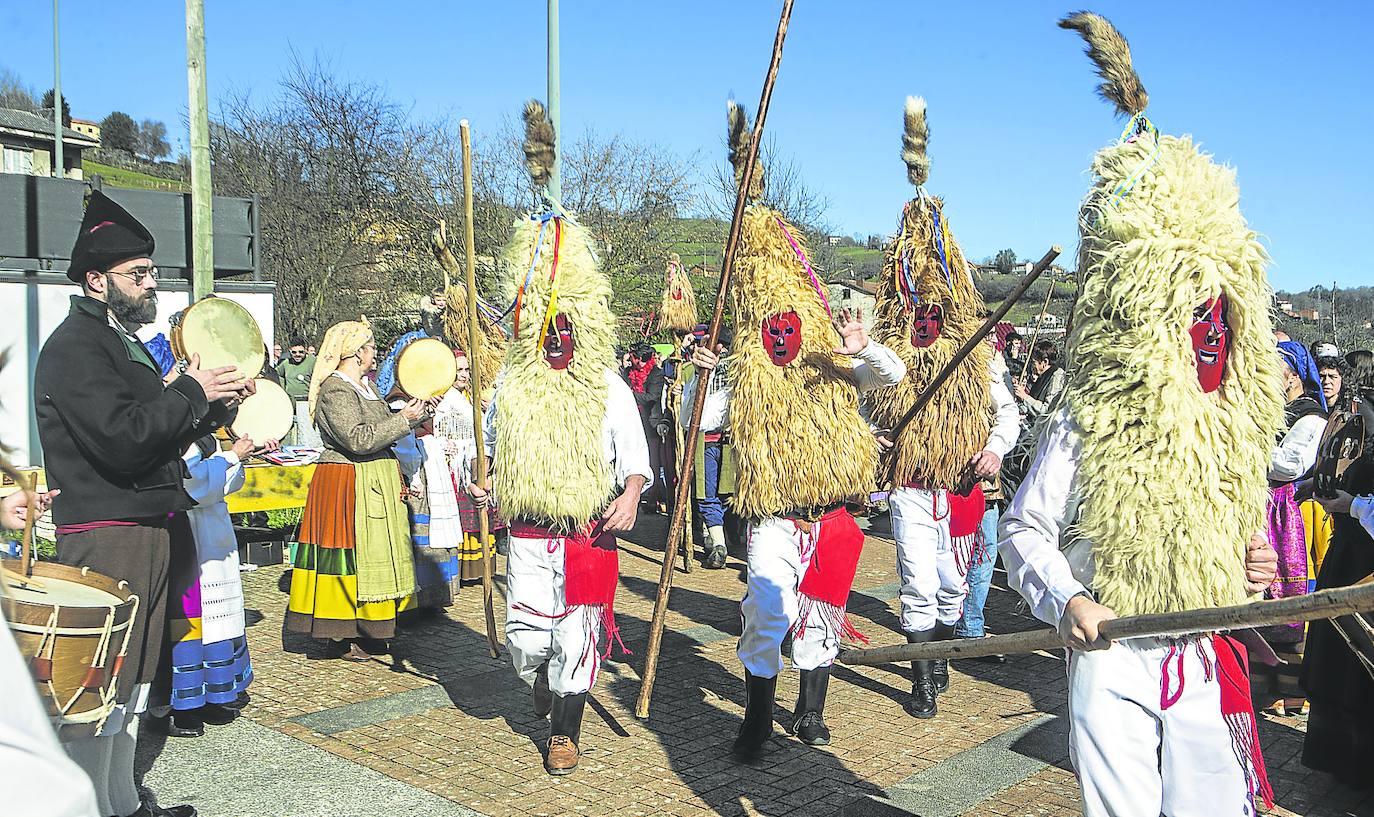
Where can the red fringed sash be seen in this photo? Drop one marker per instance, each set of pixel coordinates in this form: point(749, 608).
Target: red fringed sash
point(836, 543)
point(1233, 672)
point(591, 573)
point(966, 527)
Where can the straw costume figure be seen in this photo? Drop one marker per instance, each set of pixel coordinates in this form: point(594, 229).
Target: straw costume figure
point(1152, 476)
point(927, 308)
point(570, 459)
point(677, 312)
point(802, 452)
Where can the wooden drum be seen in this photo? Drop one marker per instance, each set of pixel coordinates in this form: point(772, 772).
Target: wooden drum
point(73, 626)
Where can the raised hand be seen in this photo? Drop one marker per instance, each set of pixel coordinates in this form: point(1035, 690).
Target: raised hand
point(853, 336)
point(223, 383)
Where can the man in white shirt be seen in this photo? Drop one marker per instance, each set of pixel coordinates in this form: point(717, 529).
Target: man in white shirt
point(713, 445)
point(1148, 491)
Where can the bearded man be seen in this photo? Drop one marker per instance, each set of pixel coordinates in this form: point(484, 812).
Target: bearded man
point(112, 434)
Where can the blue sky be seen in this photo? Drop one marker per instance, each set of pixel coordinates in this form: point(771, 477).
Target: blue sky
point(1279, 90)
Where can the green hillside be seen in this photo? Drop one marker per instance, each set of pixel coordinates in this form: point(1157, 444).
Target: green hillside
point(119, 177)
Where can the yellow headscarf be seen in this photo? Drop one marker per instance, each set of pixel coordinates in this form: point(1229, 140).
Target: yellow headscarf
point(342, 341)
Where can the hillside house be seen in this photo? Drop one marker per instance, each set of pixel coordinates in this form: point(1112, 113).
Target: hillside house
point(26, 145)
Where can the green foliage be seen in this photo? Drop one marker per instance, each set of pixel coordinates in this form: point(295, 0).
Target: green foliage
point(119, 132)
point(47, 105)
point(43, 548)
point(119, 177)
point(285, 518)
point(1005, 260)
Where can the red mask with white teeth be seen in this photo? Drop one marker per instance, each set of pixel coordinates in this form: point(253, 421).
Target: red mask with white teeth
point(781, 337)
point(927, 322)
point(1211, 338)
point(558, 343)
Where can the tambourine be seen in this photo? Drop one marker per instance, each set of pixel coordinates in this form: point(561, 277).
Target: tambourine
point(426, 368)
point(222, 332)
point(1343, 443)
point(267, 414)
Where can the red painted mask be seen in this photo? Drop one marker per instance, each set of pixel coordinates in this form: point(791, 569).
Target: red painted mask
point(927, 322)
point(558, 343)
point(1211, 337)
point(782, 334)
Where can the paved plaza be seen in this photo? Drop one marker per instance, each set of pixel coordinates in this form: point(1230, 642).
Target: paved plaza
point(440, 728)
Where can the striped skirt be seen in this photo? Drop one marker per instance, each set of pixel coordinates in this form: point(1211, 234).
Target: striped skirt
point(324, 576)
point(213, 673)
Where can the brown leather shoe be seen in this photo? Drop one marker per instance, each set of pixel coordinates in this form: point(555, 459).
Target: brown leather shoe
point(562, 756)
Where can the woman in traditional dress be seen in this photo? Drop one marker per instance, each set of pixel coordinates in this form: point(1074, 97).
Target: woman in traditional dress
point(211, 669)
point(353, 570)
point(450, 553)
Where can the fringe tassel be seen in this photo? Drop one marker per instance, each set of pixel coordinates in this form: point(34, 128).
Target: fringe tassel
point(968, 551)
point(836, 619)
point(1246, 744)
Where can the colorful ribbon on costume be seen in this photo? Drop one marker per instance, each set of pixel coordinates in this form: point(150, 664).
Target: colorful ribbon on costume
point(1138, 125)
point(553, 283)
point(801, 256)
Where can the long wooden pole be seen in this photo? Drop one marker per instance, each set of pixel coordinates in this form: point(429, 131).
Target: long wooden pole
point(924, 397)
point(681, 506)
point(1337, 601)
point(483, 522)
point(1035, 336)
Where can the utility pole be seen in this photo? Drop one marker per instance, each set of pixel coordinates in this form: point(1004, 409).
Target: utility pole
point(555, 179)
point(1333, 315)
point(58, 166)
point(202, 216)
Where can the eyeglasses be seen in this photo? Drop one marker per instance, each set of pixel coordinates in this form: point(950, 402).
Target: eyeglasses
point(138, 274)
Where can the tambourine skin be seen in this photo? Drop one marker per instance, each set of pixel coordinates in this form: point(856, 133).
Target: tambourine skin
point(223, 333)
point(426, 368)
point(267, 414)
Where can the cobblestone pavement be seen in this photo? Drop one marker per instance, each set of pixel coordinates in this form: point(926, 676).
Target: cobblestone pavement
point(439, 719)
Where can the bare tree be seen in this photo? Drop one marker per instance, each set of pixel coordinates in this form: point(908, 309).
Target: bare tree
point(344, 201)
point(15, 94)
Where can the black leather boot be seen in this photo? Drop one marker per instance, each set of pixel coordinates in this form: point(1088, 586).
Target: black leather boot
point(543, 696)
point(757, 727)
point(565, 733)
point(940, 668)
point(922, 680)
point(808, 723)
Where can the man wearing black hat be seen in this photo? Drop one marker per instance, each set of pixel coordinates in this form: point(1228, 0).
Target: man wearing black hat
point(112, 436)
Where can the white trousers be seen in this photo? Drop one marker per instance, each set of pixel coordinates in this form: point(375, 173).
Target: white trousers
point(1134, 757)
point(108, 760)
point(779, 554)
point(933, 588)
point(538, 626)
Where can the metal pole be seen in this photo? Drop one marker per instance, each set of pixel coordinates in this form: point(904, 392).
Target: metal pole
point(202, 218)
point(58, 165)
point(555, 178)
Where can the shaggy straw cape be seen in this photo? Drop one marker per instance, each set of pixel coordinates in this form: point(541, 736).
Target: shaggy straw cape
point(937, 445)
point(678, 310)
point(491, 343)
point(798, 438)
point(552, 469)
point(1174, 479)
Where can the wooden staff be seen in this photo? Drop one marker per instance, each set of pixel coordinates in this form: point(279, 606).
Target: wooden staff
point(680, 507)
point(443, 238)
point(1035, 336)
point(29, 485)
point(483, 522)
point(1337, 601)
point(988, 325)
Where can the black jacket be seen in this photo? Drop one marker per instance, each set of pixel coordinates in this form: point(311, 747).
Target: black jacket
point(112, 434)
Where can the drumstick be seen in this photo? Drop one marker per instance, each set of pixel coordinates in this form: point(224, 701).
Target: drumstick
point(30, 486)
point(475, 386)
